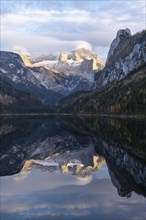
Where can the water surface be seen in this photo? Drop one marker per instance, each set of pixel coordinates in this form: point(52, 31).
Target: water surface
point(69, 167)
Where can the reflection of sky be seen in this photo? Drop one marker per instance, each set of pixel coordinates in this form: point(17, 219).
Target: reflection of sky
point(44, 195)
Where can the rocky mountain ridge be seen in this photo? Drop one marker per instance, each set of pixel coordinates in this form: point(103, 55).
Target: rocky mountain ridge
point(127, 52)
point(81, 62)
point(121, 35)
point(120, 86)
point(78, 80)
point(44, 84)
point(73, 58)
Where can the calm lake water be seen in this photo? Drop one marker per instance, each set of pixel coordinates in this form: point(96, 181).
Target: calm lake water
point(69, 167)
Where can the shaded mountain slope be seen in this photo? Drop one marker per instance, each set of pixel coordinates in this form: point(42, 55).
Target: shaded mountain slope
point(127, 52)
point(13, 100)
point(127, 96)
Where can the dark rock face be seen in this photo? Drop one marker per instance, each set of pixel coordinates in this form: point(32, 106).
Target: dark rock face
point(120, 86)
point(121, 35)
point(127, 52)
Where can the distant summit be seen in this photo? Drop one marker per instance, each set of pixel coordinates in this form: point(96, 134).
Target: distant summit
point(80, 62)
point(80, 55)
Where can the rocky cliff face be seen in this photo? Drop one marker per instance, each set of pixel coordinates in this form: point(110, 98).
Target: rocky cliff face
point(80, 55)
point(127, 52)
point(44, 84)
point(63, 57)
point(81, 62)
point(121, 35)
point(75, 62)
point(27, 60)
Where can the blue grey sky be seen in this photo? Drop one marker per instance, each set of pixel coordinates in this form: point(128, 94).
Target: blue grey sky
point(51, 26)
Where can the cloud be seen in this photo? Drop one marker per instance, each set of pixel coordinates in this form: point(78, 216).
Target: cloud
point(46, 44)
point(67, 24)
point(20, 49)
point(84, 44)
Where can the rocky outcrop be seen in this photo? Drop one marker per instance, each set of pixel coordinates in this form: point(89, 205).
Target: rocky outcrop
point(73, 62)
point(63, 57)
point(127, 53)
point(83, 54)
point(26, 60)
point(81, 62)
point(121, 35)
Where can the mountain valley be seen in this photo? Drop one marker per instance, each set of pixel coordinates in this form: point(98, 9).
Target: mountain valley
point(77, 81)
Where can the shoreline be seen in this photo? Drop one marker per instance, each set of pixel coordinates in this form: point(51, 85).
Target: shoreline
point(76, 115)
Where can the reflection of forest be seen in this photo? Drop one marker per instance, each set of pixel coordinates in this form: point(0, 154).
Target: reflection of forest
point(77, 145)
point(129, 134)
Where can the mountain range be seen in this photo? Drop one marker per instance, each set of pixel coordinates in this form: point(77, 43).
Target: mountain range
point(77, 81)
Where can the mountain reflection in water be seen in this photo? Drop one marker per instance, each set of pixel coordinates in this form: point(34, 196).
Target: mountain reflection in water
point(67, 151)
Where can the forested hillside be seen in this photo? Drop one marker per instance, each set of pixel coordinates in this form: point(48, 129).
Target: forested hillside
point(127, 96)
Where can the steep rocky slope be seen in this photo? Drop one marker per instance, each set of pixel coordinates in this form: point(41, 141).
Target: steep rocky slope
point(22, 78)
point(79, 56)
point(127, 96)
point(120, 86)
point(126, 53)
point(44, 84)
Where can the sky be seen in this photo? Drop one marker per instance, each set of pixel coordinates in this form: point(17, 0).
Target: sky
point(51, 26)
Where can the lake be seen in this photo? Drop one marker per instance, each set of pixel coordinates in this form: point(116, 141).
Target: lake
point(71, 167)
